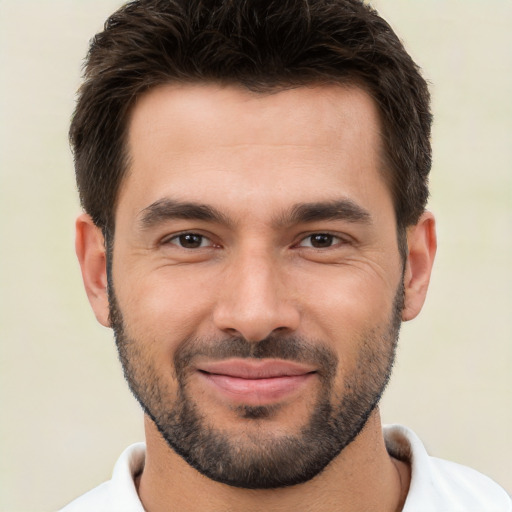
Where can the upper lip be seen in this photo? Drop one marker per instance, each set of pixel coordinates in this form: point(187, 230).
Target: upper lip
point(255, 368)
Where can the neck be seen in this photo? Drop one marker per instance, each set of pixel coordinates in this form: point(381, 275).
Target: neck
point(362, 477)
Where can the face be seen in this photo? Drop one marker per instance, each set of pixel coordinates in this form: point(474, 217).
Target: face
point(256, 284)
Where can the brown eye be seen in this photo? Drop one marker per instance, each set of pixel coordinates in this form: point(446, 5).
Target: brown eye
point(320, 241)
point(190, 241)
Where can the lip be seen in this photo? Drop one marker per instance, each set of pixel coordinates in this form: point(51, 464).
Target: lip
point(251, 382)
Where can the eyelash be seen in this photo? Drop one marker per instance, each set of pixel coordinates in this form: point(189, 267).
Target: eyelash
point(190, 234)
point(331, 239)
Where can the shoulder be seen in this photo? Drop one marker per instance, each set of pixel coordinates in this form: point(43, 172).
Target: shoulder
point(438, 484)
point(118, 494)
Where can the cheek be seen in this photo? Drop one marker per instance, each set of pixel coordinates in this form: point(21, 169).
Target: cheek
point(352, 313)
point(346, 301)
point(163, 305)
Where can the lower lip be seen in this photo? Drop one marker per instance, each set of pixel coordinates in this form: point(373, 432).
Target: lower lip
point(256, 391)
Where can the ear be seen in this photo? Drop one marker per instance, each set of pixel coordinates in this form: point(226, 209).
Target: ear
point(90, 249)
point(422, 245)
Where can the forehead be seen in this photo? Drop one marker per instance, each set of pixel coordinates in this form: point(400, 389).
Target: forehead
point(315, 114)
point(208, 141)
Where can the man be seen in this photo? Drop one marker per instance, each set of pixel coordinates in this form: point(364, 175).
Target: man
point(254, 177)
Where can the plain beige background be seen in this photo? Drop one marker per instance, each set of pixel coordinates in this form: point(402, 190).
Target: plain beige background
point(66, 411)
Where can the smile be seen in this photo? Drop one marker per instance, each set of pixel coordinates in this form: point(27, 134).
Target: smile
point(255, 382)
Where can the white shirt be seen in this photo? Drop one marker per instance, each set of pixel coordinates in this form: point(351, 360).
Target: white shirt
point(436, 485)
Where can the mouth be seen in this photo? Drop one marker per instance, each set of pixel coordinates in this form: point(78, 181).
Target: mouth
point(250, 382)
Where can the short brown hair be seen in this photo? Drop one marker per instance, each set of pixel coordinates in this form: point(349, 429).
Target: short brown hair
point(264, 45)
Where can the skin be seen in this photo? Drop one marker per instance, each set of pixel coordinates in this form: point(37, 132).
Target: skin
point(253, 158)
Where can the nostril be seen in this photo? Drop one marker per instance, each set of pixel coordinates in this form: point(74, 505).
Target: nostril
point(255, 317)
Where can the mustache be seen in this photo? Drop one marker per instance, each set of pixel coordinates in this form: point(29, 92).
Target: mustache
point(276, 346)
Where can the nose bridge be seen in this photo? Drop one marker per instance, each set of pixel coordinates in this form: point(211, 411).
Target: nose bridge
point(255, 300)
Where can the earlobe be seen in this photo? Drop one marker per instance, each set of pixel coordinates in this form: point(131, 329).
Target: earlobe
point(90, 250)
point(422, 245)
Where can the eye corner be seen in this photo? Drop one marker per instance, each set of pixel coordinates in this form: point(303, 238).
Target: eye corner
point(188, 241)
point(321, 240)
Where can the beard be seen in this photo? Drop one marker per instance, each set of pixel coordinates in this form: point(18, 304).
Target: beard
point(257, 458)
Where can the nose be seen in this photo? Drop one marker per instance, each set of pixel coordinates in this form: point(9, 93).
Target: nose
point(255, 300)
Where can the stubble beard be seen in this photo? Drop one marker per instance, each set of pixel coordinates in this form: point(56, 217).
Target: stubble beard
point(255, 458)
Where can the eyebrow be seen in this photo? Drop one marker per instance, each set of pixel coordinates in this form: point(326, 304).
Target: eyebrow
point(170, 209)
point(342, 209)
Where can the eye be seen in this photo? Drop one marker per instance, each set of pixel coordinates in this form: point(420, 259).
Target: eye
point(320, 241)
point(190, 241)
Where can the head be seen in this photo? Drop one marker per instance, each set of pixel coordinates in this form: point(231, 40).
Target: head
point(254, 176)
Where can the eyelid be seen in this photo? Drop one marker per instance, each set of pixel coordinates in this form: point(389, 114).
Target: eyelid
point(339, 240)
point(169, 239)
